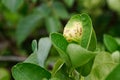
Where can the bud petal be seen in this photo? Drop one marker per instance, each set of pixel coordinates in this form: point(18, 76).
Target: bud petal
point(73, 31)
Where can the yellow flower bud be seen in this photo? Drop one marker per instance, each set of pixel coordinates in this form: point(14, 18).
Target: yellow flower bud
point(73, 31)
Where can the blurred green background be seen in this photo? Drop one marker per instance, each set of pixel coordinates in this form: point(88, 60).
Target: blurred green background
point(21, 21)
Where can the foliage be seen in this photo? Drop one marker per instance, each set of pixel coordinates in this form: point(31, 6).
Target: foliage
point(21, 21)
point(76, 58)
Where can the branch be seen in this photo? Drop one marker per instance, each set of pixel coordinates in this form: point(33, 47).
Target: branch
point(12, 58)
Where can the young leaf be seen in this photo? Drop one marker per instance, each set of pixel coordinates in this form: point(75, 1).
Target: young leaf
point(44, 46)
point(53, 24)
point(26, 26)
point(13, 5)
point(28, 71)
point(114, 75)
point(110, 43)
point(60, 43)
point(78, 55)
point(34, 46)
point(38, 57)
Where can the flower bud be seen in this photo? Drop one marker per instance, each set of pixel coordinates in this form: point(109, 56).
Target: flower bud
point(73, 31)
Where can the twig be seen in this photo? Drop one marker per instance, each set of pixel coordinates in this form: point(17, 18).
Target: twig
point(12, 58)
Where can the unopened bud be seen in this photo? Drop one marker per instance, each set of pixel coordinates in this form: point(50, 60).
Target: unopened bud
point(73, 31)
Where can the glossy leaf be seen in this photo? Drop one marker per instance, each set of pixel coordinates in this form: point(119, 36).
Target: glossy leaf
point(110, 43)
point(53, 24)
point(60, 43)
point(114, 75)
point(13, 5)
point(26, 26)
point(28, 71)
point(78, 55)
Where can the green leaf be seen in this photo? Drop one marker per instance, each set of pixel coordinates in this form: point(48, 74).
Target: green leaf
point(110, 43)
point(28, 71)
point(34, 46)
point(39, 56)
point(43, 10)
point(103, 65)
point(93, 42)
point(88, 34)
point(60, 43)
point(86, 69)
point(53, 24)
point(13, 5)
point(114, 75)
point(57, 67)
point(78, 55)
point(62, 73)
point(60, 10)
point(32, 59)
point(26, 26)
point(69, 3)
point(4, 74)
point(85, 35)
point(116, 56)
point(114, 5)
point(44, 46)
